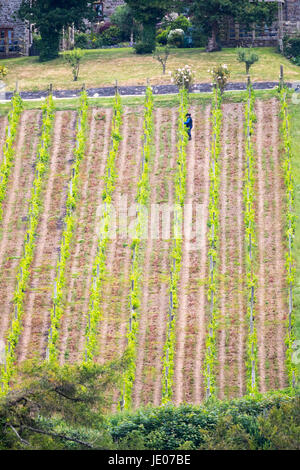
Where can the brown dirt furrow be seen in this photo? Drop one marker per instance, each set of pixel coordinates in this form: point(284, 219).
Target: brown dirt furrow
point(3, 124)
point(164, 247)
point(90, 174)
point(278, 198)
point(234, 258)
point(15, 208)
point(77, 340)
point(38, 301)
point(202, 198)
point(145, 315)
point(261, 223)
point(273, 258)
point(188, 287)
point(109, 320)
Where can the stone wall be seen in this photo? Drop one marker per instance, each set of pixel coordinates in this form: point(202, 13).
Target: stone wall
point(9, 19)
point(110, 6)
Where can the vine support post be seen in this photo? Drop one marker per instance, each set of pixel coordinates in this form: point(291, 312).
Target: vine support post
point(281, 85)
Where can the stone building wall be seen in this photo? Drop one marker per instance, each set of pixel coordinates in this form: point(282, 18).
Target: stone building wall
point(110, 6)
point(9, 20)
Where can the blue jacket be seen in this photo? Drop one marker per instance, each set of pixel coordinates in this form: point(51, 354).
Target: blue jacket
point(189, 123)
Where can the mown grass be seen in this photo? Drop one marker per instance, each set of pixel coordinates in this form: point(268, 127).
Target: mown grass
point(101, 67)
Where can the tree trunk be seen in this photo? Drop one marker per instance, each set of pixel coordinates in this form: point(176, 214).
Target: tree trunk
point(212, 44)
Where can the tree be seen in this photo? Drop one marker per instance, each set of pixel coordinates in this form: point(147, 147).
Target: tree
point(51, 16)
point(123, 18)
point(149, 13)
point(211, 15)
point(73, 58)
point(161, 54)
point(59, 407)
point(248, 57)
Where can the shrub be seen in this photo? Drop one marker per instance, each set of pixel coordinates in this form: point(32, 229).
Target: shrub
point(162, 36)
point(176, 37)
point(143, 48)
point(291, 46)
point(82, 41)
point(180, 23)
point(111, 36)
point(183, 77)
point(220, 75)
point(3, 71)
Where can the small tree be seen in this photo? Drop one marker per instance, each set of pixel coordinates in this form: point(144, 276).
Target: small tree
point(220, 75)
point(3, 71)
point(73, 58)
point(161, 54)
point(248, 57)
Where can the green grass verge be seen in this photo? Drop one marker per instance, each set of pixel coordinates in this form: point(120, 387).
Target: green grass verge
point(159, 101)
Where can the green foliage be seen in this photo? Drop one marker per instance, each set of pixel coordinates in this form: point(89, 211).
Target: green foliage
point(266, 422)
point(291, 46)
point(213, 246)
point(8, 148)
point(220, 75)
point(290, 234)
point(250, 232)
point(111, 36)
point(211, 15)
point(3, 71)
point(51, 17)
point(176, 37)
point(248, 57)
point(73, 58)
point(35, 210)
point(181, 22)
point(59, 407)
point(94, 314)
point(183, 77)
point(176, 253)
point(148, 14)
point(162, 36)
point(124, 20)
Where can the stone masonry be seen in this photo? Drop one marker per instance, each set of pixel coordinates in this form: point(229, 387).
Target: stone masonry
point(9, 21)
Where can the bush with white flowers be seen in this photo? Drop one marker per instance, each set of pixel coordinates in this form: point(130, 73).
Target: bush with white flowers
point(176, 37)
point(183, 77)
point(220, 74)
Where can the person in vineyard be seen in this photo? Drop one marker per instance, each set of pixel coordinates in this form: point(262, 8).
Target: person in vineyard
point(189, 125)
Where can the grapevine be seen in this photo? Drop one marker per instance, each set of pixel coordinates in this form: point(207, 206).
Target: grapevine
point(213, 242)
point(8, 148)
point(35, 209)
point(176, 254)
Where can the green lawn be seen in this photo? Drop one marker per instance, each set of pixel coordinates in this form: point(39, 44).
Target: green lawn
point(102, 67)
